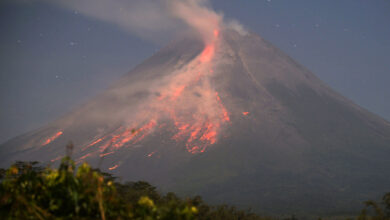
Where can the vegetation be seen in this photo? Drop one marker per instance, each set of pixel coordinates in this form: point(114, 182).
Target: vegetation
point(28, 191)
point(375, 211)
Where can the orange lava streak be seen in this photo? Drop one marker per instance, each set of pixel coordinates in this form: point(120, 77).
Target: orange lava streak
point(114, 167)
point(125, 137)
point(224, 111)
point(104, 147)
point(193, 150)
point(210, 134)
point(52, 138)
point(245, 113)
point(55, 159)
point(93, 143)
point(103, 155)
point(194, 134)
point(151, 154)
point(207, 53)
point(85, 156)
point(146, 129)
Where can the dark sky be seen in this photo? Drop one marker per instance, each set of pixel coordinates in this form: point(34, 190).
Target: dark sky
point(53, 59)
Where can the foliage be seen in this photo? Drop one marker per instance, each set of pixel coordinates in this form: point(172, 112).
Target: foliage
point(378, 211)
point(28, 191)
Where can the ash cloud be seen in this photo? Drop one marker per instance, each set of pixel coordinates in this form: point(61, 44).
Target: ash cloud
point(151, 19)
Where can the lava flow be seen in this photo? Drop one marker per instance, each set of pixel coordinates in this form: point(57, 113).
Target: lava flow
point(52, 138)
point(187, 101)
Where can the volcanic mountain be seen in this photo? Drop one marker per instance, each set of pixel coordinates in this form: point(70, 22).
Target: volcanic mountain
point(234, 120)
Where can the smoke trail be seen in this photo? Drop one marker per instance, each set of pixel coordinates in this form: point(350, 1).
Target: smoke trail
point(198, 16)
point(151, 19)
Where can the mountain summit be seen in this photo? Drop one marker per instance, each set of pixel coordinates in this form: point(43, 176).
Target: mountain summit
point(234, 120)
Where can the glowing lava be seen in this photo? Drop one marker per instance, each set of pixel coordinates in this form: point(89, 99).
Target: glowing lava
point(245, 113)
point(207, 53)
point(187, 105)
point(52, 138)
point(151, 154)
point(114, 167)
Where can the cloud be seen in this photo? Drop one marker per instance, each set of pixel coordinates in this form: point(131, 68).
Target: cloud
point(151, 19)
point(197, 15)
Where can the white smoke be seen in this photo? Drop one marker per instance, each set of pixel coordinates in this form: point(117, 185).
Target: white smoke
point(150, 19)
point(235, 25)
point(198, 16)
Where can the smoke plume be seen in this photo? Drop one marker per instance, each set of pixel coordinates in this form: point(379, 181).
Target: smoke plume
point(151, 19)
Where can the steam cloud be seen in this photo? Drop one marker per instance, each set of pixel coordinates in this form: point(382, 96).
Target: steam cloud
point(149, 18)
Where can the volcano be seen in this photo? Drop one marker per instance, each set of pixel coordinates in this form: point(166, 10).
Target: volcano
point(234, 120)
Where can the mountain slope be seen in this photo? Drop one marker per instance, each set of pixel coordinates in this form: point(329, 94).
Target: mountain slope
point(236, 121)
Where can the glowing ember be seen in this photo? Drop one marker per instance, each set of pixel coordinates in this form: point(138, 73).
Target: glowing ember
point(55, 159)
point(245, 113)
point(93, 143)
point(85, 156)
point(103, 155)
point(193, 150)
point(114, 167)
point(52, 138)
point(151, 154)
point(224, 111)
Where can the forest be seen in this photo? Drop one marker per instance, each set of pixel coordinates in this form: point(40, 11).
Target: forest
point(31, 191)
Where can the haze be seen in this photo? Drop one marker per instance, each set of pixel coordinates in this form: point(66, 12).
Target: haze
point(53, 59)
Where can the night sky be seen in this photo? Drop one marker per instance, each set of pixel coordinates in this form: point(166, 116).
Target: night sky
point(53, 59)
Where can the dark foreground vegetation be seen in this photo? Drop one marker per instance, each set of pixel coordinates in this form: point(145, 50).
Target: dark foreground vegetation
point(29, 191)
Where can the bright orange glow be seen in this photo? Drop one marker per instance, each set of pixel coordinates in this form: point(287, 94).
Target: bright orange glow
point(114, 167)
point(103, 155)
point(85, 156)
point(151, 154)
point(245, 113)
point(93, 143)
point(105, 146)
point(224, 111)
point(207, 53)
point(193, 150)
point(216, 33)
point(195, 111)
point(52, 138)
